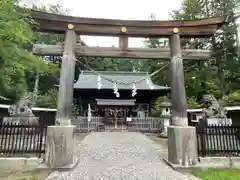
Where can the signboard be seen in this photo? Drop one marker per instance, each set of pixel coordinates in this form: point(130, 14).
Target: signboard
point(213, 121)
point(129, 119)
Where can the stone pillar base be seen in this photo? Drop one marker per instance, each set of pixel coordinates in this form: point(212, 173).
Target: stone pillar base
point(60, 144)
point(182, 145)
point(63, 122)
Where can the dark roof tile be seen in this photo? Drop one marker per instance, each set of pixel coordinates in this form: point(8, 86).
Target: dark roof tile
point(88, 80)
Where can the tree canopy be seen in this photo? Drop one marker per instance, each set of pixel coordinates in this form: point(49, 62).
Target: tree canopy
point(16, 61)
point(219, 77)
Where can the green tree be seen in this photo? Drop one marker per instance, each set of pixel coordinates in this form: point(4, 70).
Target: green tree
point(223, 45)
point(15, 33)
point(232, 99)
point(48, 99)
point(218, 77)
point(48, 79)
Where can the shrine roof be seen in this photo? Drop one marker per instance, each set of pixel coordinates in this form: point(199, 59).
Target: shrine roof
point(89, 80)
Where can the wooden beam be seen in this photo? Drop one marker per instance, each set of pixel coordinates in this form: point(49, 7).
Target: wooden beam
point(137, 53)
point(111, 27)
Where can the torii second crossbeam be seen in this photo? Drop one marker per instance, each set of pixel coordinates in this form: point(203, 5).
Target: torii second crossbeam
point(137, 53)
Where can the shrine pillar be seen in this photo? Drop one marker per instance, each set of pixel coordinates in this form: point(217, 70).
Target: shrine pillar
point(65, 95)
point(182, 142)
point(60, 140)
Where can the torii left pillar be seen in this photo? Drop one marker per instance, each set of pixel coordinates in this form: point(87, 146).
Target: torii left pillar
point(61, 137)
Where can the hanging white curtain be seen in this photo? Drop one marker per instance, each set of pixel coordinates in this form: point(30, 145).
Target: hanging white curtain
point(89, 113)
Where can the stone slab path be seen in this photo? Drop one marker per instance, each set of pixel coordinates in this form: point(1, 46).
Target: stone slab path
point(119, 156)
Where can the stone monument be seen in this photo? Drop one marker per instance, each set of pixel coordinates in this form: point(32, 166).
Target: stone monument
point(213, 110)
point(215, 114)
point(21, 112)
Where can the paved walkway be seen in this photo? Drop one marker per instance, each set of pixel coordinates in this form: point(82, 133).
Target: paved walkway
point(119, 156)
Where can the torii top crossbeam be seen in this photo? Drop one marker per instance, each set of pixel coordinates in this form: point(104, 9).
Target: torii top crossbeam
point(48, 22)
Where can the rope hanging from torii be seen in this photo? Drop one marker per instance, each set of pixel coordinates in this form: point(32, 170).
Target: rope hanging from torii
point(121, 82)
point(115, 83)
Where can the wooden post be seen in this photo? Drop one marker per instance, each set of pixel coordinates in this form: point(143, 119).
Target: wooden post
point(123, 42)
point(178, 94)
point(65, 95)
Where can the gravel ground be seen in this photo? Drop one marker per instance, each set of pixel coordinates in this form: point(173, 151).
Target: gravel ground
point(119, 156)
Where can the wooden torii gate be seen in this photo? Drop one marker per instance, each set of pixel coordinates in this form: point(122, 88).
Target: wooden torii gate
point(182, 139)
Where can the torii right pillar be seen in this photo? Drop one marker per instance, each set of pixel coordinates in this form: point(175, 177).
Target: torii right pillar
point(182, 141)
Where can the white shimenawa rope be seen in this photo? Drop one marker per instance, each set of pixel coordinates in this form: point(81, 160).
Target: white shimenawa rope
point(120, 82)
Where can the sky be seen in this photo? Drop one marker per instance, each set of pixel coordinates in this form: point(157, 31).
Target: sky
point(115, 9)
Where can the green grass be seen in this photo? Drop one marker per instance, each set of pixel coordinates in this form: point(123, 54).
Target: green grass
point(29, 178)
point(17, 174)
point(217, 174)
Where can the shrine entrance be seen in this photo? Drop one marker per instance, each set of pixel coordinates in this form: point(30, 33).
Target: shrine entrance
point(116, 112)
point(115, 119)
point(178, 153)
point(115, 116)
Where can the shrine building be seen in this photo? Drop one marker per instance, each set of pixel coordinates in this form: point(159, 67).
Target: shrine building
point(130, 94)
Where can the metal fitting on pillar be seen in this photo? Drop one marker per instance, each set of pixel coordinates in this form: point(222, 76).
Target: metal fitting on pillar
point(70, 26)
point(175, 30)
point(123, 29)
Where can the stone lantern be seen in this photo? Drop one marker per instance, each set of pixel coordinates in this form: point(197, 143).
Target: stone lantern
point(165, 105)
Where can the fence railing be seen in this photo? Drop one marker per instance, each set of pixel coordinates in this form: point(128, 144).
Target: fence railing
point(83, 125)
point(148, 124)
point(22, 140)
point(218, 140)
